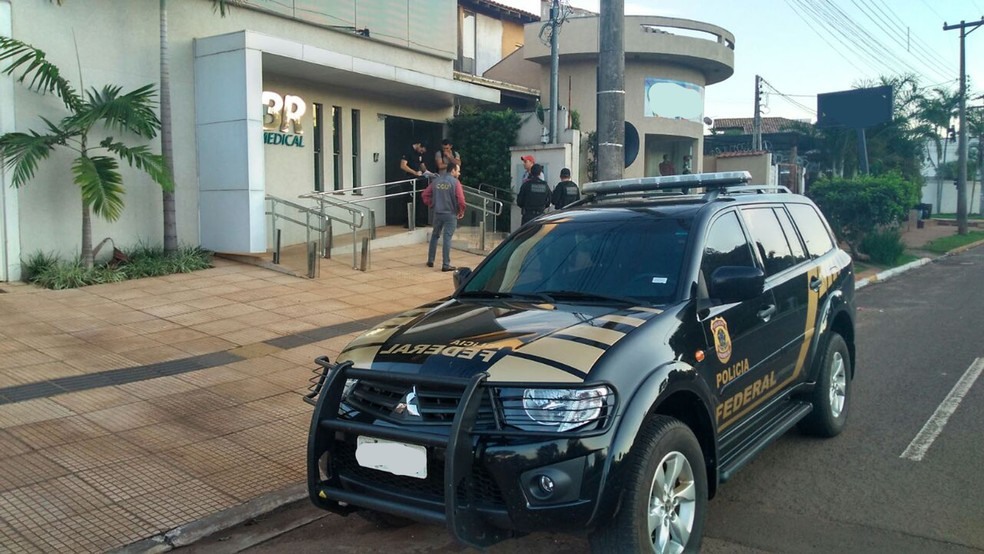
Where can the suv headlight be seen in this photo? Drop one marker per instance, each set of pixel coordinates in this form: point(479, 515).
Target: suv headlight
point(555, 409)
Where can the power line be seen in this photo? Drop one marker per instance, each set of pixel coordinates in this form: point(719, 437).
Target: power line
point(878, 21)
point(862, 32)
point(915, 39)
point(813, 28)
point(925, 3)
point(840, 31)
point(788, 98)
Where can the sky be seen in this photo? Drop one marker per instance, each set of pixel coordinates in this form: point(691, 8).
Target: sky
point(802, 48)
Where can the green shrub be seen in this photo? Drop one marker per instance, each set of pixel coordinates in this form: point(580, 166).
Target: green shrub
point(858, 207)
point(483, 139)
point(37, 264)
point(47, 271)
point(884, 247)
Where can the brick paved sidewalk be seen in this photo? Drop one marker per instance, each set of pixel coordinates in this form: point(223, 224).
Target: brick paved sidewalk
point(129, 409)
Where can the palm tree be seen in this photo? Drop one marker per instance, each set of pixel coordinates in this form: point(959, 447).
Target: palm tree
point(95, 168)
point(167, 149)
point(167, 143)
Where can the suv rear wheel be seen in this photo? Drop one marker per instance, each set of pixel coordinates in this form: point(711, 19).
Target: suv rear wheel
point(832, 395)
point(665, 499)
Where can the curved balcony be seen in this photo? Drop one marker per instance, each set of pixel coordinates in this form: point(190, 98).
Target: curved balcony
point(666, 40)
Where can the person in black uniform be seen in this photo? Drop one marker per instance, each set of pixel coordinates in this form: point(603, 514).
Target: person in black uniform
point(412, 163)
point(534, 195)
point(566, 191)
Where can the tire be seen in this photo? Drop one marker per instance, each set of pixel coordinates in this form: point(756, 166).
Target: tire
point(831, 398)
point(650, 517)
point(385, 521)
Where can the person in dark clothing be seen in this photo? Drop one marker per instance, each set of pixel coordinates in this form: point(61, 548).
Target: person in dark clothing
point(412, 163)
point(666, 167)
point(445, 195)
point(566, 191)
point(534, 195)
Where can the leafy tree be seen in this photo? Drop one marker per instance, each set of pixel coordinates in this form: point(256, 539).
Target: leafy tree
point(95, 168)
point(861, 206)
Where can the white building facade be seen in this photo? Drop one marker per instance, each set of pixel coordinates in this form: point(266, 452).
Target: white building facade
point(278, 98)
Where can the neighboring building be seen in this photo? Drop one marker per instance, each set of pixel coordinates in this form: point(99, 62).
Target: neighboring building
point(940, 192)
point(668, 64)
point(363, 81)
point(784, 140)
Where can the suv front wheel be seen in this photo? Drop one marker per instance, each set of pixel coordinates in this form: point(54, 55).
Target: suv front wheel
point(665, 499)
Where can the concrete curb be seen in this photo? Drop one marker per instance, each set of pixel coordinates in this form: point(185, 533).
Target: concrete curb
point(189, 533)
point(889, 273)
point(960, 249)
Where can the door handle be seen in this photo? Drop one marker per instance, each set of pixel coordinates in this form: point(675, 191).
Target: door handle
point(815, 284)
point(767, 312)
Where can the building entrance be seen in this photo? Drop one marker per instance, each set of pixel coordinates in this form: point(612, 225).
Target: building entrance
point(400, 136)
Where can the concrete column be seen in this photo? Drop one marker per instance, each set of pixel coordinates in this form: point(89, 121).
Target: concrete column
point(229, 126)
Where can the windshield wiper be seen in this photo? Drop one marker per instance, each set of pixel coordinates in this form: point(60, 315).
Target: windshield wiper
point(581, 295)
point(506, 295)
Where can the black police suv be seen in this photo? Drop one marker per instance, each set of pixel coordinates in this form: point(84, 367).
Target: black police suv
point(604, 369)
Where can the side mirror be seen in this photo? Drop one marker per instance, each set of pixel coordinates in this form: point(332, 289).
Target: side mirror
point(460, 276)
point(736, 283)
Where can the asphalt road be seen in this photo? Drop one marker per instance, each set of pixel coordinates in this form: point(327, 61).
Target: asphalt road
point(918, 334)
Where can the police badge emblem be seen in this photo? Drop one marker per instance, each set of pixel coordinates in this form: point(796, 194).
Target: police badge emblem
point(722, 340)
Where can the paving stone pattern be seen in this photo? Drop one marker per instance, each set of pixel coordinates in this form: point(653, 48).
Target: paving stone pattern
point(129, 409)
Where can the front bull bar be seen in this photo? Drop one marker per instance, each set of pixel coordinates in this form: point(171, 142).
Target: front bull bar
point(464, 523)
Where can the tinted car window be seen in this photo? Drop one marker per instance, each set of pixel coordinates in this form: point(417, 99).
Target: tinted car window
point(726, 245)
point(799, 253)
point(637, 257)
point(769, 239)
point(812, 228)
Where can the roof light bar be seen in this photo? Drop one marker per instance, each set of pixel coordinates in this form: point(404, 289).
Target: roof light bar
point(692, 180)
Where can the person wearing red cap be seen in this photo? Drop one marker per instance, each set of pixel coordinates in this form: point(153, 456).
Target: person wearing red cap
point(528, 161)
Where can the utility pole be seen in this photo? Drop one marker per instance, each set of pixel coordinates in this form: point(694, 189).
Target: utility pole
point(962, 141)
point(554, 69)
point(611, 90)
point(757, 119)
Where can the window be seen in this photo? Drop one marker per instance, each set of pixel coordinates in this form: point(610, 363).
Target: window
point(813, 229)
point(637, 258)
point(336, 138)
point(726, 246)
point(356, 150)
point(791, 237)
point(769, 239)
point(466, 52)
point(319, 144)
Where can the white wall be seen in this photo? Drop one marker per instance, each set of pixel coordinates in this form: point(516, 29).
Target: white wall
point(9, 235)
point(934, 189)
point(488, 38)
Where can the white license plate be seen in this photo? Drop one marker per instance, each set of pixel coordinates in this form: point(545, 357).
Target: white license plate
point(393, 457)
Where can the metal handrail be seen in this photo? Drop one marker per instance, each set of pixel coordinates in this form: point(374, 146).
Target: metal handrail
point(308, 227)
point(358, 218)
point(485, 198)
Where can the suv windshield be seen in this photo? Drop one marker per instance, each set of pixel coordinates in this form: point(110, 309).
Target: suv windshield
point(628, 259)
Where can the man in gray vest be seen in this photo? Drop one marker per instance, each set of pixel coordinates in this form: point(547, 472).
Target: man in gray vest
point(534, 195)
point(445, 195)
